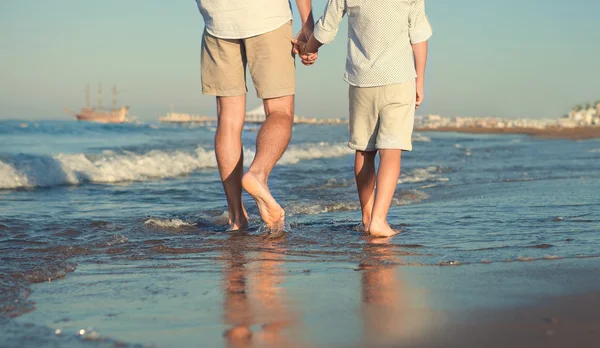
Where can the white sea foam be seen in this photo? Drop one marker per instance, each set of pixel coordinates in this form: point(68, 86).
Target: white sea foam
point(10, 178)
point(167, 223)
point(594, 151)
point(313, 151)
point(429, 174)
point(417, 137)
point(400, 198)
point(110, 167)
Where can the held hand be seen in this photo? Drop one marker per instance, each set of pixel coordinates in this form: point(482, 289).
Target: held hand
point(300, 49)
point(300, 37)
point(420, 93)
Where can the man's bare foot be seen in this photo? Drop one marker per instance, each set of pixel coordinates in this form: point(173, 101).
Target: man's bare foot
point(271, 212)
point(381, 229)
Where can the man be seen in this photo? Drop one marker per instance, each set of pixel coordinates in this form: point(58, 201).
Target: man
point(255, 33)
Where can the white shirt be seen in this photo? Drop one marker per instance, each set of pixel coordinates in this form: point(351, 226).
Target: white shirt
point(239, 19)
point(380, 34)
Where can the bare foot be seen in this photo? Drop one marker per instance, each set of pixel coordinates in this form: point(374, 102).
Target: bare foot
point(237, 221)
point(271, 212)
point(238, 225)
point(362, 227)
point(238, 334)
point(381, 229)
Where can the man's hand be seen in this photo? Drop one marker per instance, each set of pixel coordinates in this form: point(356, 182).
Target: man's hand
point(300, 37)
point(420, 92)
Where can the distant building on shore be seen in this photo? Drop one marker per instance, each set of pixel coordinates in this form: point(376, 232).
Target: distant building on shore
point(585, 116)
point(179, 117)
point(588, 116)
point(258, 115)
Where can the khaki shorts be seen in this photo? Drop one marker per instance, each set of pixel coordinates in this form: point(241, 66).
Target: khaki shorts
point(269, 57)
point(382, 117)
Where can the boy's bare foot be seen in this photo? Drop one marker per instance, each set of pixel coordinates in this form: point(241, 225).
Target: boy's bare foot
point(271, 212)
point(381, 229)
point(238, 223)
point(238, 334)
point(363, 227)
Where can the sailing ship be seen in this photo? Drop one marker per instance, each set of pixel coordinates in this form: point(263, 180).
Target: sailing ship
point(98, 114)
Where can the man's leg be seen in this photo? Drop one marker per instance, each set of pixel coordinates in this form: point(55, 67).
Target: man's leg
point(224, 76)
point(387, 180)
point(272, 140)
point(364, 171)
point(230, 156)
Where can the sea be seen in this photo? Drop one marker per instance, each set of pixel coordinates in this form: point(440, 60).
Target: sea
point(147, 196)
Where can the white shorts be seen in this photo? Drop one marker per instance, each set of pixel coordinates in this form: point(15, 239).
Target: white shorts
point(382, 117)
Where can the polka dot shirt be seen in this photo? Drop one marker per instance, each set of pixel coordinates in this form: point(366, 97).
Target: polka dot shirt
point(380, 34)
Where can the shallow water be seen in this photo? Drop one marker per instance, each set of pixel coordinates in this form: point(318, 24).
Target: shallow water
point(148, 196)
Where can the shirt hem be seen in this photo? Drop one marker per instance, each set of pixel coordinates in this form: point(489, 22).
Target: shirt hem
point(378, 84)
point(246, 34)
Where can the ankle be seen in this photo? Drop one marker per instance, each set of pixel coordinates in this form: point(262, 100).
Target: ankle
point(259, 175)
point(366, 220)
point(378, 221)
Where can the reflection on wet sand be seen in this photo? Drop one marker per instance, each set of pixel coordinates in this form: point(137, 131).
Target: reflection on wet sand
point(389, 312)
point(255, 302)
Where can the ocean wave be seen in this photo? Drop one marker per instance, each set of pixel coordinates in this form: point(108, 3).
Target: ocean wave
point(26, 171)
point(168, 223)
point(400, 198)
point(594, 150)
point(419, 175)
point(299, 153)
point(417, 137)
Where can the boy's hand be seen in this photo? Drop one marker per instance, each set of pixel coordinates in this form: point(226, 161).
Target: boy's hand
point(420, 92)
point(300, 49)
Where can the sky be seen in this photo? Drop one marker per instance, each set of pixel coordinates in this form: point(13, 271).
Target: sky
point(510, 58)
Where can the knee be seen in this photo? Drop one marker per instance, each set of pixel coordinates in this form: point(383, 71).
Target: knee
point(282, 107)
point(230, 127)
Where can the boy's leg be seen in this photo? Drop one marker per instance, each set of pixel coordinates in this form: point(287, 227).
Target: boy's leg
point(230, 158)
point(363, 127)
point(364, 171)
point(394, 136)
point(387, 180)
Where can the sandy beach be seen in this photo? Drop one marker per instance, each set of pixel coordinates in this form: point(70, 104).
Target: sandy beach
point(576, 133)
point(264, 301)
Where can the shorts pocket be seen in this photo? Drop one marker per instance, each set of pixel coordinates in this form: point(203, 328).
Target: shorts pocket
point(400, 93)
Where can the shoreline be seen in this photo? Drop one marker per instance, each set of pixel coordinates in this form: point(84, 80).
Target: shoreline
point(576, 133)
point(268, 300)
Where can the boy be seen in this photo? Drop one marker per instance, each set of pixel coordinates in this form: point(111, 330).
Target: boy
point(385, 67)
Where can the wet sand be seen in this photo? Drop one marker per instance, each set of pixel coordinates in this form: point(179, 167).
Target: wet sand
point(567, 321)
point(269, 297)
point(577, 133)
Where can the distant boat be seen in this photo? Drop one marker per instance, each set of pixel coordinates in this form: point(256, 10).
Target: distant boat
point(98, 114)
